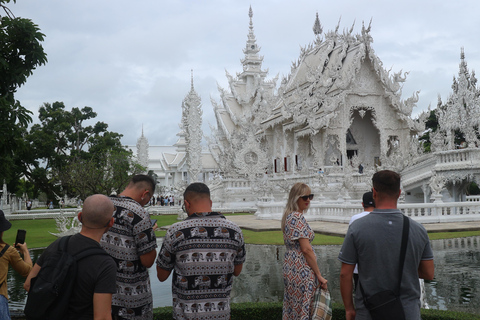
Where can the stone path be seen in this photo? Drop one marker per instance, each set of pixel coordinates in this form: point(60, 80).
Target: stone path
point(250, 222)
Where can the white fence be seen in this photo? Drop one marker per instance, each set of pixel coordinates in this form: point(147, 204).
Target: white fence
point(342, 212)
point(319, 211)
point(42, 214)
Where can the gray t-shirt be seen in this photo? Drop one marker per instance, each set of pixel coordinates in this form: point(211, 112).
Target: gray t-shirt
point(373, 242)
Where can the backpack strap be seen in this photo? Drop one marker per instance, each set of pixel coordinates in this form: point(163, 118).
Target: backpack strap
point(1, 254)
point(90, 252)
point(63, 246)
point(4, 249)
point(403, 251)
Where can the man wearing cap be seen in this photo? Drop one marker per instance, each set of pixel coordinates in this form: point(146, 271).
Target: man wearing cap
point(368, 205)
point(374, 242)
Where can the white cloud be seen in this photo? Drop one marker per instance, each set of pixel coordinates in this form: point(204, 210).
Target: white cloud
point(131, 61)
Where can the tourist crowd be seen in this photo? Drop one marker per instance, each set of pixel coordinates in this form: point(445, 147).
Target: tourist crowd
point(383, 256)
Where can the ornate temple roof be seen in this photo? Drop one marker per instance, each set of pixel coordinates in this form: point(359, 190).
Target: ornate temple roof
point(328, 70)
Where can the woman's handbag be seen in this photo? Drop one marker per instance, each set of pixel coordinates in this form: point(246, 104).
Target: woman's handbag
point(321, 305)
point(387, 304)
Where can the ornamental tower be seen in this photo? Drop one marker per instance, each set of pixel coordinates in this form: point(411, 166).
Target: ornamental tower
point(192, 127)
point(142, 151)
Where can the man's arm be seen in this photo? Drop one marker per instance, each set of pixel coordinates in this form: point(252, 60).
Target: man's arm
point(35, 270)
point(102, 305)
point(162, 274)
point(237, 270)
point(148, 258)
point(426, 269)
point(346, 289)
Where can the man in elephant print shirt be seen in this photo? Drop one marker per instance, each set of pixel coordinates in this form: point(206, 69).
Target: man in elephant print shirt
point(132, 244)
point(205, 251)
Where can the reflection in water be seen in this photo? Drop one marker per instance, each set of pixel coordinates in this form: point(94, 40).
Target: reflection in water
point(456, 285)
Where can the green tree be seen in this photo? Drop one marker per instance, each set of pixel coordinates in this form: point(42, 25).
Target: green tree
point(431, 125)
point(20, 53)
point(66, 156)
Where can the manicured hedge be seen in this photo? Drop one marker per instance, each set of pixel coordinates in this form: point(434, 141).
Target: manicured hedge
point(273, 311)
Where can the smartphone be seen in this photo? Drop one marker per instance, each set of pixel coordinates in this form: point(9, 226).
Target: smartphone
point(153, 221)
point(20, 236)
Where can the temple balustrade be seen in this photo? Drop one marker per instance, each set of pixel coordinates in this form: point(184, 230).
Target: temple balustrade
point(342, 211)
point(450, 163)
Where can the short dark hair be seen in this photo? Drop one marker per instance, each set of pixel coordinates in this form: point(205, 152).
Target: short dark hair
point(198, 188)
point(139, 178)
point(386, 182)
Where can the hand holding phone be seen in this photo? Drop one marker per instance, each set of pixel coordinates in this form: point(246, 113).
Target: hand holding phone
point(20, 237)
point(154, 224)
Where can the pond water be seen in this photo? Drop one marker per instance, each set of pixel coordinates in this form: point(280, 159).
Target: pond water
point(455, 287)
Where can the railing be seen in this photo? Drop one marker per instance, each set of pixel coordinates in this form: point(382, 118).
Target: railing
point(455, 156)
point(319, 211)
point(342, 212)
point(472, 198)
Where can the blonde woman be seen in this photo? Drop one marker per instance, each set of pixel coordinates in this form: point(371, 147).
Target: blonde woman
point(301, 274)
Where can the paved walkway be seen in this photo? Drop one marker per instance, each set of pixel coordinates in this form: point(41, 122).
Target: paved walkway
point(250, 222)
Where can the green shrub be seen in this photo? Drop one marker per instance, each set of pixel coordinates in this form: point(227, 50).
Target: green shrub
point(273, 311)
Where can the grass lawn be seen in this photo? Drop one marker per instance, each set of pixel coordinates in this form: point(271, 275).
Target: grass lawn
point(38, 235)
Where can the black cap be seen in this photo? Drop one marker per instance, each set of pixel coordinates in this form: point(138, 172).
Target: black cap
point(368, 200)
point(4, 223)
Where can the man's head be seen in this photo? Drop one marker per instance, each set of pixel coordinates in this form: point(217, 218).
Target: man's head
point(140, 188)
point(197, 198)
point(367, 201)
point(97, 212)
point(386, 185)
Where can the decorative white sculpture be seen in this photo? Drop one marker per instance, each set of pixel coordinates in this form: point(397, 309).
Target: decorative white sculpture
point(192, 125)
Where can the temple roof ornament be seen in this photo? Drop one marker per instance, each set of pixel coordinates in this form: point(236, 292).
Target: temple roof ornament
point(317, 30)
point(462, 110)
point(241, 110)
point(192, 125)
point(142, 150)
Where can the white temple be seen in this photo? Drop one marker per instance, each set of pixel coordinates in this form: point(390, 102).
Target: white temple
point(332, 122)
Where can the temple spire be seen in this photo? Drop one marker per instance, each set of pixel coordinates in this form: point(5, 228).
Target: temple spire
point(252, 61)
point(192, 88)
point(317, 27)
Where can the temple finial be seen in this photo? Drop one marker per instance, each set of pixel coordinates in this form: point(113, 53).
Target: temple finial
point(192, 78)
point(317, 27)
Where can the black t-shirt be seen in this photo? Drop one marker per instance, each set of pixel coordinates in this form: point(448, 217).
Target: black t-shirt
point(96, 274)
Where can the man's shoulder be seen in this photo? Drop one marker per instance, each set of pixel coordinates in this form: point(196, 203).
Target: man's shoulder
point(358, 216)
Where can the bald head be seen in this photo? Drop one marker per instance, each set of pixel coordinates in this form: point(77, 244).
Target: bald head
point(97, 211)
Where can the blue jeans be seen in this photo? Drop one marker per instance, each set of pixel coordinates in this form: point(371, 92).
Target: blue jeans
point(4, 312)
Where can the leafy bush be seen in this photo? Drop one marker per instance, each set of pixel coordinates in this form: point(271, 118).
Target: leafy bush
point(273, 311)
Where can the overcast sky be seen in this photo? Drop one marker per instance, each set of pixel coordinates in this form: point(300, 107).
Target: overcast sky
point(131, 60)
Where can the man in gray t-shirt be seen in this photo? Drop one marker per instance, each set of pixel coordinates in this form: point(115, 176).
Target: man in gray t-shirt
point(373, 243)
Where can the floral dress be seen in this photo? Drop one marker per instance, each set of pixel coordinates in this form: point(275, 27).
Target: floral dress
point(298, 277)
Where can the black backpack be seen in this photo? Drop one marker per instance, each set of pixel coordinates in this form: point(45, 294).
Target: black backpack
point(50, 290)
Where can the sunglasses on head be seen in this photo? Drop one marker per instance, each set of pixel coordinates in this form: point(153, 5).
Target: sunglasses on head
point(305, 198)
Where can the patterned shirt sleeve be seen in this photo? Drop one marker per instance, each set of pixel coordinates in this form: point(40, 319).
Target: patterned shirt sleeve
point(298, 227)
point(166, 256)
point(241, 253)
point(144, 235)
